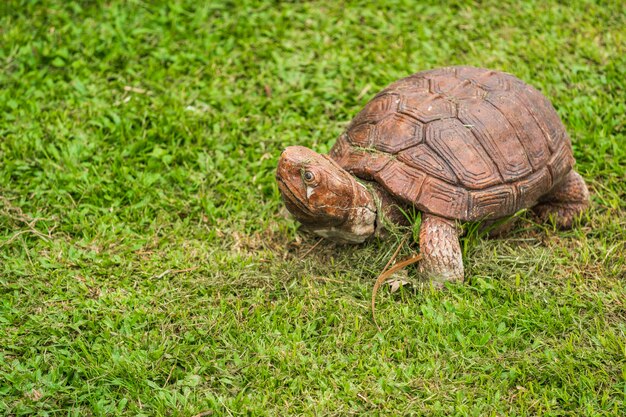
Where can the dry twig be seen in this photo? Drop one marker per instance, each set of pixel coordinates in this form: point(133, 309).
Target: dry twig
point(386, 274)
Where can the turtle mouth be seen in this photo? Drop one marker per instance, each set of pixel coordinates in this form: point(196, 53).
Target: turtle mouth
point(295, 201)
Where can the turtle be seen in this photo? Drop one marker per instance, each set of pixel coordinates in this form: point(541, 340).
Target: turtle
point(457, 144)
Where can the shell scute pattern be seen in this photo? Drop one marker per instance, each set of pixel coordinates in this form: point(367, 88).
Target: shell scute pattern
point(498, 138)
point(543, 113)
point(362, 135)
point(526, 128)
point(422, 157)
point(412, 85)
point(444, 199)
point(561, 162)
point(427, 108)
point(461, 142)
point(486, 204)
point(381, 106)
point(486, 79)
point(360, 162)
point(456, 145)
point(531, 188)
point(397, 132)
point(402, 180)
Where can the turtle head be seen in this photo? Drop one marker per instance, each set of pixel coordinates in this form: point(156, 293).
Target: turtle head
point(324, 197)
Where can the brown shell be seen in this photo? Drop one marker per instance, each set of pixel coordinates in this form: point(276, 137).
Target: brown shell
point(460, 142)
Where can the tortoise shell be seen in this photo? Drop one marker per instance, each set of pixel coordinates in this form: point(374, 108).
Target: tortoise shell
point(459, 142)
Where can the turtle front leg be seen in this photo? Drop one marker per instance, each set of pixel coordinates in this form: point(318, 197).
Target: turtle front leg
point(441, 251)
point(565, 202)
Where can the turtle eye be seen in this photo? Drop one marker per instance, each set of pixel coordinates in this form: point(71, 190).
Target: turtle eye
point(308, 176)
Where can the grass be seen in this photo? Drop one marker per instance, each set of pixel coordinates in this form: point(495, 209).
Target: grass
point(146, 264)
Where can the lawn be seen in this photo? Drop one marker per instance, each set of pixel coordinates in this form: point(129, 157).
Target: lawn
point(148, 268)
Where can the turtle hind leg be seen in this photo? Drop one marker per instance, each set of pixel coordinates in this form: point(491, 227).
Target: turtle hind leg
point(565, 202)
point(442, 260)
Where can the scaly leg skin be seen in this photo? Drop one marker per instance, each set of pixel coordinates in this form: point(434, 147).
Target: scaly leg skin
point(441, 251)
point(565, 202)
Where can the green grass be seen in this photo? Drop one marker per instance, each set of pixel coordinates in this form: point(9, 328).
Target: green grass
point(146, 265)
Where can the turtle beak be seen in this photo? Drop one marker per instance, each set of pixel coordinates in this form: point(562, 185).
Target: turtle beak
point(290, 183)
point(287, 173)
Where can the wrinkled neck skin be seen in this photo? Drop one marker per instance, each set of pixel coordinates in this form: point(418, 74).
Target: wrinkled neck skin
point(372, 210)
point(388, 211)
